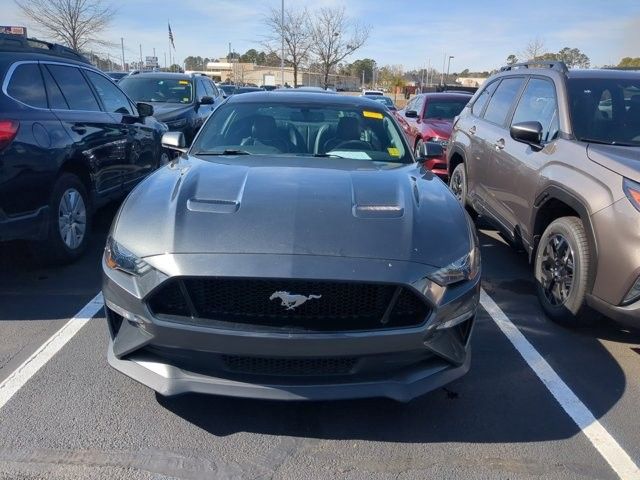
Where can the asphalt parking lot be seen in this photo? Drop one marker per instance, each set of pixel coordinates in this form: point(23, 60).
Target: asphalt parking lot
point(77, 417)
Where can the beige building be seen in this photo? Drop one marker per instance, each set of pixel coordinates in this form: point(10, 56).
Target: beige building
point(470, 81)
point(248, 73)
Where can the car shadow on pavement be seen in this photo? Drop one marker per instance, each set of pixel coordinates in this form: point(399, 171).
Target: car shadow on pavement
point(32, 290)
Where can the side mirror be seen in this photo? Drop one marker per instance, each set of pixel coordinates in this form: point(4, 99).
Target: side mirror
point(144, 109)
point(429, 150)
point(527, 132)
point(174, 141)
point(206, 100)
point(411, 114)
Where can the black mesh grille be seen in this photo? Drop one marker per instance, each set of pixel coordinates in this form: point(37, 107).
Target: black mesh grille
point(289, 366)
point(330, 306)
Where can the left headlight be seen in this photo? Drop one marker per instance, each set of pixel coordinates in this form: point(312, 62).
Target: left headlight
point(465, 268)
point(116, 257)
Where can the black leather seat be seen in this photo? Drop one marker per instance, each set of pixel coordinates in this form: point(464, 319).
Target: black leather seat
point(348, 129)
point(264, 131)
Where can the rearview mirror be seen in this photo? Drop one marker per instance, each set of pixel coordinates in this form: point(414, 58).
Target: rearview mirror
point(144, 109)
point(411, 114)
point(206, 100)
point(174, 141)
point(527, 132)
point(429, 150)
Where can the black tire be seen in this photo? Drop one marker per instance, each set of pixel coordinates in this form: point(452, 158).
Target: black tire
point(458, 183)
point(552, 275)
point(53, 249)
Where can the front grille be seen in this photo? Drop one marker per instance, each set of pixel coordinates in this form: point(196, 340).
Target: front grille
point(289, 366)
point(329, 306)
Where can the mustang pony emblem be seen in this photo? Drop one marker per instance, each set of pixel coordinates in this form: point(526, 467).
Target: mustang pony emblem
point(292, 301)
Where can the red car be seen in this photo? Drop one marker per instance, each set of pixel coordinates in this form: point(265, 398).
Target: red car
point(428, 117)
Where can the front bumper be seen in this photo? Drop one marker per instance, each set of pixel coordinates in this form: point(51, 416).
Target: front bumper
point(174, 358)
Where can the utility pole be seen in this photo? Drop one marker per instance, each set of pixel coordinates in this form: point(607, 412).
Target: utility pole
point(444, 61)
point(122, 45)
point(449, 65)
point(363, 78)
point(282, 47)
point(428, 68)
point(141, 67)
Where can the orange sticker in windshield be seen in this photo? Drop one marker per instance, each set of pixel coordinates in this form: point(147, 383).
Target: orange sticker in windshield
point(183, 82)
point(369, 114)
point(393, 151)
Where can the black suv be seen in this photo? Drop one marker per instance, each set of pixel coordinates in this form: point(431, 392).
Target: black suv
point(70, 141)
point(182, 101)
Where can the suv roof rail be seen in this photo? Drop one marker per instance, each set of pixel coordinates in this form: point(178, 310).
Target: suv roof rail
point(16, 43)
point(552, 64)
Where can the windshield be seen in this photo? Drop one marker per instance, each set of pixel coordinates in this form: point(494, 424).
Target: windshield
point(166, 90)
point(444, 109)
point(606, 110)
point(228, 88)
point(302, 130)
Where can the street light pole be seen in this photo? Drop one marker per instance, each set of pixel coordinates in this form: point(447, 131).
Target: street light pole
point(449, 65)
point(122, 45)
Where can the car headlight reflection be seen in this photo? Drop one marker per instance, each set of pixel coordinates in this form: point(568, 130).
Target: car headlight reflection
point(117, 257)
point(465, 268)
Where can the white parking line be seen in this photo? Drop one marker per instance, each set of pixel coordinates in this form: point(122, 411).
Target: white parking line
point(47, 350)
point(599, 437)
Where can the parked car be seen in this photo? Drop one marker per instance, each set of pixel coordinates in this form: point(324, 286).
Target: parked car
point(227, 89)
point(283, 270)
point(551, 157)
point(428, 117)
point(70, 141)
point(181, 101)
point(117, 76)
point(386, 101)
point(372, 92)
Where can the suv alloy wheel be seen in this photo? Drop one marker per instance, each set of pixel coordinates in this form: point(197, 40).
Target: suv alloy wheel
point(458, 183)
point(562, 271)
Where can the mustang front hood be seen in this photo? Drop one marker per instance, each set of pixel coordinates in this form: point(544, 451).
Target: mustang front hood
point(322, 207)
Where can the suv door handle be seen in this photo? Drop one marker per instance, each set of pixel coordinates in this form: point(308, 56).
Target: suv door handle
point(472, 130)
point(499, 144)
point(79, 130)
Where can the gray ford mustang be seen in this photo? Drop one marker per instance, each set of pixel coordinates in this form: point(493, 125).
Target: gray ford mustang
point(295, 251)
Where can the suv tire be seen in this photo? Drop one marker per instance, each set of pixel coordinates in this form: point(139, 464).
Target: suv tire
point(69, 222)
point(458, 183)
point(562, 272)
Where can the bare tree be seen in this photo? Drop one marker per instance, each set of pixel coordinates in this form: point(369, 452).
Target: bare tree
point(534, 49)
point(74, 23)
point(335, 37)
point(296, 31)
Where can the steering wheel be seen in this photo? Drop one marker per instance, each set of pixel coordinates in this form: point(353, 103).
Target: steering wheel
point(353, 145)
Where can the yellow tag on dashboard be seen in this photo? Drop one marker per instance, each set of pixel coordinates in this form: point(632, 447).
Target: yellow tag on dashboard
point(369, 114)
point(183, 82)
point(393, 151)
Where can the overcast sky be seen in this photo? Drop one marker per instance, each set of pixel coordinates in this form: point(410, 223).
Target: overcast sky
point(480, 33)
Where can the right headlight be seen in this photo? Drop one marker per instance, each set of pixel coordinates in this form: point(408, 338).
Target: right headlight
point(465, 268)
point(117, 257)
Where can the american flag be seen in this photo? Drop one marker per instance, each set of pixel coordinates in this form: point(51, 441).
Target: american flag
point(171, 36)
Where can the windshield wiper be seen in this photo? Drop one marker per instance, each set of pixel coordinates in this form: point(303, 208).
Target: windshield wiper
point(228, 151)
point(604, 142)
point(327, 155)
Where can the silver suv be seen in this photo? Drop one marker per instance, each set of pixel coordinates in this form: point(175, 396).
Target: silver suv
point(551, 157)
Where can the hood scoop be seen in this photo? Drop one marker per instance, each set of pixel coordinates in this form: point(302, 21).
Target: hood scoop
point(213, 206)
point(216, 191)
point(375, 197)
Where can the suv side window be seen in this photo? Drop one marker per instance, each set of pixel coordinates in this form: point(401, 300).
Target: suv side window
point(483, 98)
point(502, 99)
point(214, 89)
point(27, 87)
point(202, 90)
point(113, 99)
point(538, 103)
point(74, 87)
point(56, 99)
